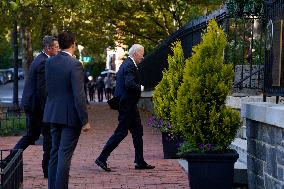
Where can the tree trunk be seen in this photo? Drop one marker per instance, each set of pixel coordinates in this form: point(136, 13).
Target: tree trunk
point(26, 49)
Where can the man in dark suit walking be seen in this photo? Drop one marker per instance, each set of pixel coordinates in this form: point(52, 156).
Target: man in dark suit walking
point(33, 101)
point(65, 109)
point(128, 89)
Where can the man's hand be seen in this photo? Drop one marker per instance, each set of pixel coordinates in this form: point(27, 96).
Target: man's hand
point(86, 127)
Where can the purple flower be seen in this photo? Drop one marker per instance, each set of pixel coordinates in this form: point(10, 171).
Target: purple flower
point(201, 146)
point(161, 122)
point(151, 121)
point(169, 126)
point(210, 146)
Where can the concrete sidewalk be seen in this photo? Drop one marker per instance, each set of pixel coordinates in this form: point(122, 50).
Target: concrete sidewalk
point(84, 174)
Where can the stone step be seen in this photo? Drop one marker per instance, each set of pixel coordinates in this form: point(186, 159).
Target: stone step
point(183, 164)
point(241, 133)
point(240, 174)
point(240, 145)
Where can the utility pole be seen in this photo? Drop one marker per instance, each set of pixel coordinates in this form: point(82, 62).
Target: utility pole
point(15, 50)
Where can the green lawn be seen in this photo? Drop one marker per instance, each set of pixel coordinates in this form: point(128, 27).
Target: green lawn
point(12, 125)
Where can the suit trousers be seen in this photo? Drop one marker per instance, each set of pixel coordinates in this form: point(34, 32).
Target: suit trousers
point(35, 127)
point(64, 142)
point(129, 119)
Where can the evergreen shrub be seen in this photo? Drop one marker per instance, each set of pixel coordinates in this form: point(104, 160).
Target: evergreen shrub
point(165, 93)
point(201, 115)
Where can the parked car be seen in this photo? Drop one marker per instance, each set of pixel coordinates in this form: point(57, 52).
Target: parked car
point(3, 76)
point(10, 74)
point(21, 73)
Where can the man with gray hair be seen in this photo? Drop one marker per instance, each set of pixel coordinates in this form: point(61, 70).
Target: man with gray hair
point(128, 90)
point(33, 102)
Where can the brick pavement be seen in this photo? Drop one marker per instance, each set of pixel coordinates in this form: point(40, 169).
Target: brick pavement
point(84, 174)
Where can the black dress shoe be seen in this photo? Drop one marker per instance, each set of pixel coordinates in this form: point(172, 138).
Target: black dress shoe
point(144, 166)
point(102, 165)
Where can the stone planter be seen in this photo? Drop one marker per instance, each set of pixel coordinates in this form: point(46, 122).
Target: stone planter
point(211, 170)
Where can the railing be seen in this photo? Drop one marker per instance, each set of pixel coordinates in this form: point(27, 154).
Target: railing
point(12, 174)
point(12, 121)
point(189, 35)
point(245, 50)
point(239, 84)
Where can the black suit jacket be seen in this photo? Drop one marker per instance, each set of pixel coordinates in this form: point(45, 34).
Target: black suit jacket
point(34, 94)
point(66, 100)
point(128, 82)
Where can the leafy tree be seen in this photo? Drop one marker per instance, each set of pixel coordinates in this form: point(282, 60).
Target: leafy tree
point(5, 45)
point(97, 66)
point(5, 34)
point(148, 21)
point(241, 7)
point(100, 24)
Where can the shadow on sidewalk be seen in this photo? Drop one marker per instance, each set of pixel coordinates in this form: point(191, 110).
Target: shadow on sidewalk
point(84, 174)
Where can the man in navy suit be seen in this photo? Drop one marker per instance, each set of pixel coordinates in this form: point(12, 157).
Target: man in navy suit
point(128, 89)
point(65, 109)
point(33, 101)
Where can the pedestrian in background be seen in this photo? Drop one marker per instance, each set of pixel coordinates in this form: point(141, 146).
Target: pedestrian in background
point(65, 109)
point(113, 83)
point(91, 89)
point(100, 88)
point(128, 89)
point(86, 81)
point(108, 87)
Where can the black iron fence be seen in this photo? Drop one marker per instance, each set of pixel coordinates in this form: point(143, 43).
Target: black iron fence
point(189, 35)
point(11, 175)
point(246, 37)
point(12, 121)
point(245, 50)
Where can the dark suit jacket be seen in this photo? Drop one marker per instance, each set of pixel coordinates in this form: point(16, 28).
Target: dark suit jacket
point(128, 82)
point(66, 100)
point(34, 94)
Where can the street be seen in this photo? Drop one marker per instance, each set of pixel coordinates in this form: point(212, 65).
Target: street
point(6, 92)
